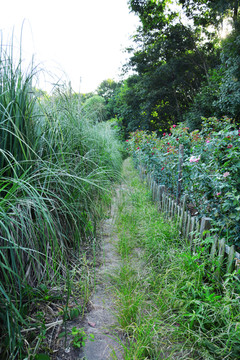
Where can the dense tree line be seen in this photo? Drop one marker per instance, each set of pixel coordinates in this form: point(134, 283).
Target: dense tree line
point(182, 69)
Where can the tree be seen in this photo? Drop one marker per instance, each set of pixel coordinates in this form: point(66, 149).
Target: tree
point(152, 13)
point(107, 90)
point(95, 109)
point(172, 65)
point(172, 59)
point(211, 12)
point(128, 104)
point(228, 100)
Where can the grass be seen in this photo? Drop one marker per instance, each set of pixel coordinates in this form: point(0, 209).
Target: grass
point(170, 305)
point(55, 179)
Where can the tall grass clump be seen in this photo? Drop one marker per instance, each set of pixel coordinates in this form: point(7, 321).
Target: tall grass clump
point(56, 168)
point(16, 109)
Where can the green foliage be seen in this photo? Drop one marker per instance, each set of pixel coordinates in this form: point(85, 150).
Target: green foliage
point(152, 13)
point(80, 337)
point(170, 304)
point(229, 89)
point(205, 103)
point(208, 12)
point(211, 169)
point(42, 357)
point(57, 167)
point(172, 60)
point(107, 90)
point(184, 72)
point(94, 108)
point(17, 137)
point(128, 103)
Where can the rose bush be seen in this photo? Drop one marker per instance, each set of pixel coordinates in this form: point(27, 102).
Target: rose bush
point(211, 168)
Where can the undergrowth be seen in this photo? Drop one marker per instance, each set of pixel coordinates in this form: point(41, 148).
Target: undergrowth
point(170, 305)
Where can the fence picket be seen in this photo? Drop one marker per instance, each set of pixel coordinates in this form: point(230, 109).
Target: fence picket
point(192, 231)
point(205, 226)
point(188, 225)
point(214, 248)
point(230, 260)
point(221, 252)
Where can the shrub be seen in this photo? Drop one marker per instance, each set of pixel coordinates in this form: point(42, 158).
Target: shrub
point(211, 168)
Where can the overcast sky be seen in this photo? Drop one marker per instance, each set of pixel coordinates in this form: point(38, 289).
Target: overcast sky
point(83, 38)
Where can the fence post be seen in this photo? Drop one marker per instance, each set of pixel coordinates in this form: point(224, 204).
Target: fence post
point(183, 211)
point(192, 228)
point(163, 197)
point(180, 172)
point(230, 261)
point(188, 225)
point(221, 252)
point(214, 248)
point(205, 225)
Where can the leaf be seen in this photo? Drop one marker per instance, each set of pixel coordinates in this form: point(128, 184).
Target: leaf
point(74, 313)
point(62, 334)
point(42, 357)
point(92, 337)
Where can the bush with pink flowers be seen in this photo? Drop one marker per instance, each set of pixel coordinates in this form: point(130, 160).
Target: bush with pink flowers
point(211, 169)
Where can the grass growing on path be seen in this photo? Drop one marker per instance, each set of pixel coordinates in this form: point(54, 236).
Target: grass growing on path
point(167, 307)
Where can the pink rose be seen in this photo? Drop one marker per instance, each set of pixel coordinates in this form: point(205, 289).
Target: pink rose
point(195, 159)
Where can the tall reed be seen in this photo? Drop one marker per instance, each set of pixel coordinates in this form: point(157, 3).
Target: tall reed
point(55, 167)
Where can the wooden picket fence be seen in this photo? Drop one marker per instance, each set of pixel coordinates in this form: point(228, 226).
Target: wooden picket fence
point(191, 228)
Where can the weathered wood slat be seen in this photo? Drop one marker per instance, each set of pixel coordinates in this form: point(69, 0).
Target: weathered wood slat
point(192, 229)
point(205, 226)
point(221, 252)
point(172, 209)
point(188, 225)
point(197, 226)
point(169, 206)
point(178, 213)
point(183, 211)
point(214, 248)
point(230, 260)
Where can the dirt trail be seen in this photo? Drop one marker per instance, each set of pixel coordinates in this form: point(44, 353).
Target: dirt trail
point(102, 313)
point(100, 321)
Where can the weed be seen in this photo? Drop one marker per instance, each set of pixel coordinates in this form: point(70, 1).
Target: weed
point(80, 337)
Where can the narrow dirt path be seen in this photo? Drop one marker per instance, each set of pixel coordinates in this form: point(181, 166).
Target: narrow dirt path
point(100, 320)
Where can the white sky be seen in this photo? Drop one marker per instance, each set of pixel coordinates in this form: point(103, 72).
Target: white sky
point(83, 38)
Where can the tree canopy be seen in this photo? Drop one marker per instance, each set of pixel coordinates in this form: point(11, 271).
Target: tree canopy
point(180, 69)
